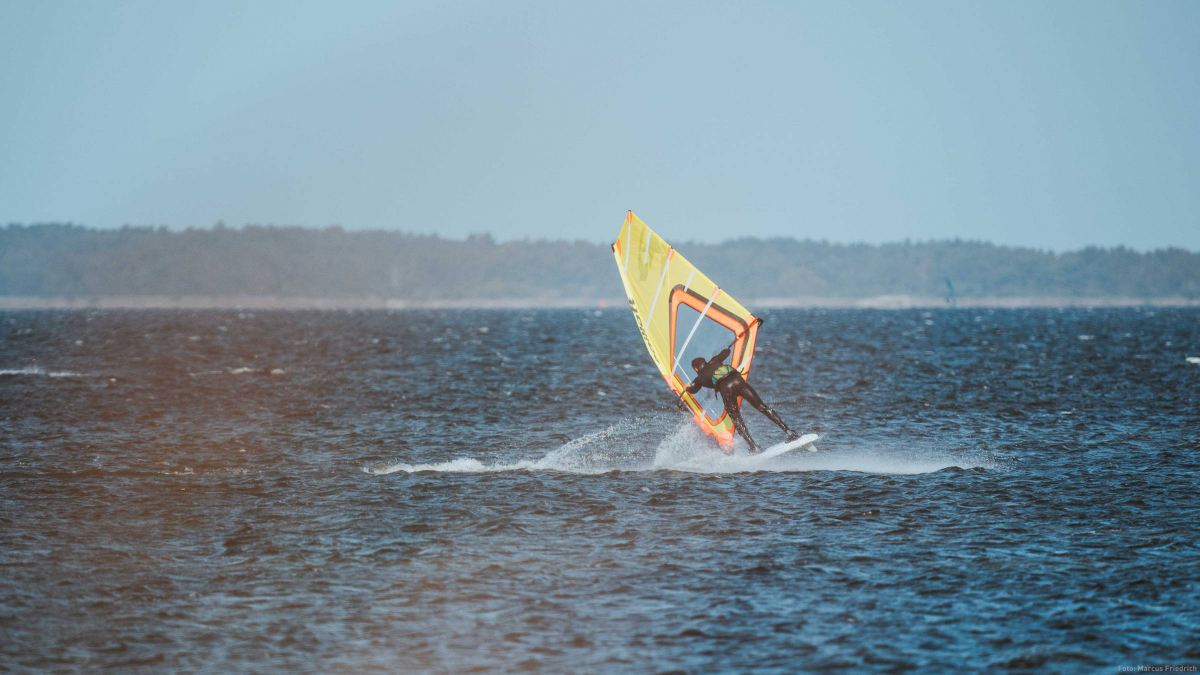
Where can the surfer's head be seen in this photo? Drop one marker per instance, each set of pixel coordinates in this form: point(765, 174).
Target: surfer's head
point(698, 363)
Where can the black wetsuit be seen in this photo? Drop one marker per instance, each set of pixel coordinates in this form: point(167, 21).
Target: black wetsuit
point(731, 385)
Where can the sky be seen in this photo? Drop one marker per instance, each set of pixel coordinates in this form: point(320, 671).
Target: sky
point(1054, 125)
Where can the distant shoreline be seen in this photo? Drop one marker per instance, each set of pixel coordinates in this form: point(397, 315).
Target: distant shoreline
point(275, 302)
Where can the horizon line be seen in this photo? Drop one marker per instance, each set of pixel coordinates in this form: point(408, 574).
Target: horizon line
point(220, 226)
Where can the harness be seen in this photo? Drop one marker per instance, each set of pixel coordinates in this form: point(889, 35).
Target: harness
point(720, 373)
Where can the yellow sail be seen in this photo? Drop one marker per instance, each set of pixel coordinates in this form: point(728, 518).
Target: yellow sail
point(681, 315)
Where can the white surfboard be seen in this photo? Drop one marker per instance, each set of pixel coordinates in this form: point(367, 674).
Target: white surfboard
point(805, 441)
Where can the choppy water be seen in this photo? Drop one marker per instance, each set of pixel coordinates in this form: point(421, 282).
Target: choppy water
point(508, 491)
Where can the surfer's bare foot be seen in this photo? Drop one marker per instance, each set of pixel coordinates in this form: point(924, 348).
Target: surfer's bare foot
point(792, 436)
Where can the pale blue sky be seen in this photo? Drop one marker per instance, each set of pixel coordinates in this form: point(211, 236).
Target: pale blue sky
point(1047, 124)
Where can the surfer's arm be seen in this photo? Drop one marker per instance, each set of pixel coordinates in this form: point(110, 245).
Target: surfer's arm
point(690, 389)
point(720, 357)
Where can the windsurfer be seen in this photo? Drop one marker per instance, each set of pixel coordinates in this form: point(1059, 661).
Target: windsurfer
point(731, 385)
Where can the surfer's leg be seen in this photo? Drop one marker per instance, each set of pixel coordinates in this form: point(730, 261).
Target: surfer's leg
point(730, 399)
point(747, 392)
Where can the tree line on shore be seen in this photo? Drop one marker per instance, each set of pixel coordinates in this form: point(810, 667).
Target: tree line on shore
point(64, 260)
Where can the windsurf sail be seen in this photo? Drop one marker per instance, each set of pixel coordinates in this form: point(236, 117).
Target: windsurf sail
point(681, 315)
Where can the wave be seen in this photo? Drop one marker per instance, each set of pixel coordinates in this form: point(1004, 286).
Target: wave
point(685, 448)
point(240, 371)
point(598, 452)
point(37, 370)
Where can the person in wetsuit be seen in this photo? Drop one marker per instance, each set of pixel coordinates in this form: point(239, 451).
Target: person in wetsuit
point(730, 384)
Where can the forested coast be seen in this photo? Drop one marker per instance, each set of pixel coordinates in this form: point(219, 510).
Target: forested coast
point(72, 261)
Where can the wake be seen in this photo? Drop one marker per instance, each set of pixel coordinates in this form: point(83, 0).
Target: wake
point(683, 447)
point(37, 370)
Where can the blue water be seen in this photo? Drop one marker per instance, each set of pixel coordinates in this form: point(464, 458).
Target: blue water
point(513, 491)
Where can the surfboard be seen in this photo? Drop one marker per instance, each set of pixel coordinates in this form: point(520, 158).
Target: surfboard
point(805, 441)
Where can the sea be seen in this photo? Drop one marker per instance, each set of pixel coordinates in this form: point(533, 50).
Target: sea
point(514, 491)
